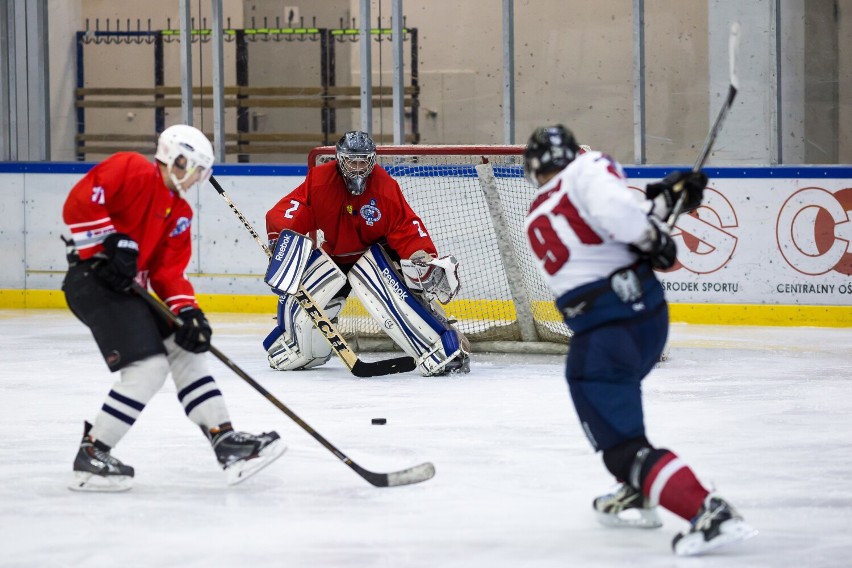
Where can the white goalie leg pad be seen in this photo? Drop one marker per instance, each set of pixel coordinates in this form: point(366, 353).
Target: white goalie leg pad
point(296, 343)
point(412, 325)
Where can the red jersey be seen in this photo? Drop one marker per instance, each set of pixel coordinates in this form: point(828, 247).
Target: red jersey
point(126, 194)
point(350, 223)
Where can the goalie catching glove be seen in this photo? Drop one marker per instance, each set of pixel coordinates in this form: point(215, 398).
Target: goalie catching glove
point(437, 278)
point(666, 192)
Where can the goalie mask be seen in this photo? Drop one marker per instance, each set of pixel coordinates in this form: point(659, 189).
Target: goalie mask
point(187, 154)
point(356, 156)
point(550, 149)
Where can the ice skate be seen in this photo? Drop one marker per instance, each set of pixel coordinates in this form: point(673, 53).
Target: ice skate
point(242, 455)
point(96, 470)
point(626, 507)
point(716, 524)
point(458, 366)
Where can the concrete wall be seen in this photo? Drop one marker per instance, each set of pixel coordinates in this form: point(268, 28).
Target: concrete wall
point(573, 64)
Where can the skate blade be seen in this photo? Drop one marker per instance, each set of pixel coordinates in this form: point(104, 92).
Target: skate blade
point(638, 519)
point(243, 469)
point(731, 531)
point(85, 481)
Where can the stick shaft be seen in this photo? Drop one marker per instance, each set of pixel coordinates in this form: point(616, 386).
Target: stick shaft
point(733, 45)
point(322, 322)
point(378, 479)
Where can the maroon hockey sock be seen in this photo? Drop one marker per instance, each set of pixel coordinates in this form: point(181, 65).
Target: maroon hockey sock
point(672, 484)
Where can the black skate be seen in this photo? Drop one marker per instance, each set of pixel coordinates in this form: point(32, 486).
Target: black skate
point(242, 455)
point(716, 524)
point(96, 470)
point(626, 507)
point(459, 365)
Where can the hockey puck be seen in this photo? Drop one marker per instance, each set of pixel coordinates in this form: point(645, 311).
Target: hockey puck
point(379, 421)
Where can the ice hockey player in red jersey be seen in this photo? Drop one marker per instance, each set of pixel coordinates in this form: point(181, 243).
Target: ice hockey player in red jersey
point(130, 222)
point(374, 244)
point(353, 213)
point(597, 246)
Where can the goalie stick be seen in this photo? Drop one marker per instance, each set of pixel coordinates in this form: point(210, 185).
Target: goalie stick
point(416, 474)
point(325, 326)
point(733, 44)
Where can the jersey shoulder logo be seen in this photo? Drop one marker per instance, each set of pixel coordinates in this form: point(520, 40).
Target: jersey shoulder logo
point(181, 226)
point(98, 195)
point(370, 212)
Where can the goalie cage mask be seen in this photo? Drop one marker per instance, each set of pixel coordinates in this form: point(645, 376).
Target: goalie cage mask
point(356, 157)
point(550, 149)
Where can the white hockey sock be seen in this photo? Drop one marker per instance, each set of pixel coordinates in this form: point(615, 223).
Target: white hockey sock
point(197, 391)
point(137, 384)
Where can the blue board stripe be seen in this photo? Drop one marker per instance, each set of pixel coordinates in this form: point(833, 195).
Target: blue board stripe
point(294, 170)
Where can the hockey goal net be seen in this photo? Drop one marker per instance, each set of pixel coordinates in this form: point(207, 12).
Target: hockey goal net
point(473, 200)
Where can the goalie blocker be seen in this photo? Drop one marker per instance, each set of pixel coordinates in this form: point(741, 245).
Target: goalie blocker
point(418, 327)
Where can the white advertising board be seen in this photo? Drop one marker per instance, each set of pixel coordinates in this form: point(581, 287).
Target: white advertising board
point(765, 241)
point(776, 236)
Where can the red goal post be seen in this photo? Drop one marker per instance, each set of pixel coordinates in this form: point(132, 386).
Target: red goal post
point(473, 200)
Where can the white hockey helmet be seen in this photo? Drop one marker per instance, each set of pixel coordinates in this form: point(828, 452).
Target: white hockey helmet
point(184, 147)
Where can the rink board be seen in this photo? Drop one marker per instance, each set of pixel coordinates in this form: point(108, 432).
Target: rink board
point(768, 246)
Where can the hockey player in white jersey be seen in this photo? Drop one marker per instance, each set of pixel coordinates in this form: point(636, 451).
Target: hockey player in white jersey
point(597, 246)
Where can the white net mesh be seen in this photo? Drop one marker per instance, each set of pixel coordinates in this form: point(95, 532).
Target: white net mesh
point(442, 186)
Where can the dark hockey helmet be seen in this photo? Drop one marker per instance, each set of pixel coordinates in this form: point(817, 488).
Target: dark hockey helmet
point(356, 156)
point(550, 149)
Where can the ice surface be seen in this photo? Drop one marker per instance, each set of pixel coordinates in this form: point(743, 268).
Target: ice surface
point(762, 414)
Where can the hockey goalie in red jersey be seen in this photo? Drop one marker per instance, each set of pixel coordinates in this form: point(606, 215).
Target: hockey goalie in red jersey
point(129, 222)
point(374, 244)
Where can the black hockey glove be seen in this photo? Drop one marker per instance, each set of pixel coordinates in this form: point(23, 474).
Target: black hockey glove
point(194, 335)
point(118, 269)
point(658, 248)
point(693, 184)
point(663, 252)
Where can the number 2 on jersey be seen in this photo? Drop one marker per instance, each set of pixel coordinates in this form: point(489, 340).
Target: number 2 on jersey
point(289, 213)
point(420, 230)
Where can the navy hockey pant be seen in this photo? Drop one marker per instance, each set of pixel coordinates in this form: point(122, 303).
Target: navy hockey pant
point(605, 369)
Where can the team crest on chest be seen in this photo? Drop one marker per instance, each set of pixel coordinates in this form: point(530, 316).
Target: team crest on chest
point(181, 226)
point(349, 209)
point(371, 213)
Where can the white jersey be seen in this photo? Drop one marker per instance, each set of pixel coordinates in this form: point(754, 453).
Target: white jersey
point(581, 222)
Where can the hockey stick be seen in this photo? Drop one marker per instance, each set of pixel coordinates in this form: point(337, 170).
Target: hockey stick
point(416, 474)
point(733, 45)
point(325, 326)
